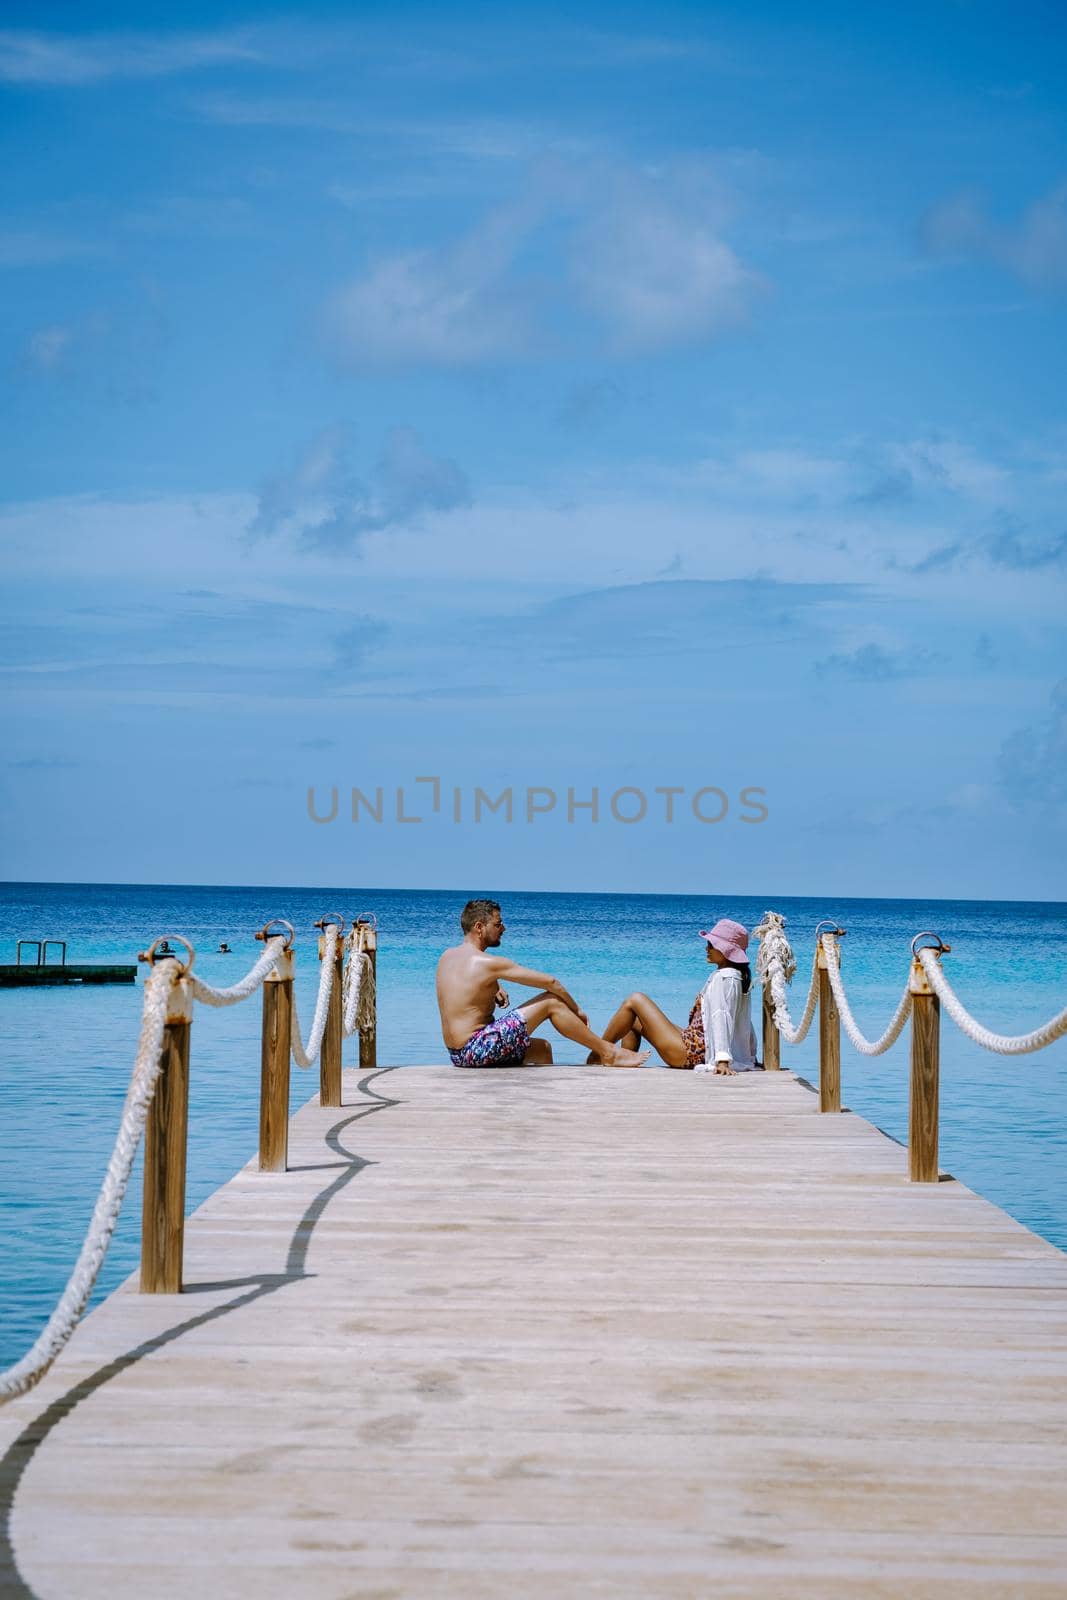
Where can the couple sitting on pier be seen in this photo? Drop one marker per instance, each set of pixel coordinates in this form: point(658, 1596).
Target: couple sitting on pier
point(718, 1038)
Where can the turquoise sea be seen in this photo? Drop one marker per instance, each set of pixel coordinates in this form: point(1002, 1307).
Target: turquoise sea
point(66, 1054)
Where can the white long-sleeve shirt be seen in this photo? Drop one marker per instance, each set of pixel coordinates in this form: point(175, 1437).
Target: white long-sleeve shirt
point(727, 1015)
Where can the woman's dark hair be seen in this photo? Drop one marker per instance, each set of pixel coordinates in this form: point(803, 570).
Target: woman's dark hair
point(745, 969)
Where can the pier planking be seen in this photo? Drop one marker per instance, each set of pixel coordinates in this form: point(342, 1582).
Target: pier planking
point(563, 1331)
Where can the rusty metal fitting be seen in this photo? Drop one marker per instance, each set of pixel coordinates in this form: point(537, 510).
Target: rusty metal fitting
point(331, 918)
point(942, 949)
point(277, 922)
point(160, 950)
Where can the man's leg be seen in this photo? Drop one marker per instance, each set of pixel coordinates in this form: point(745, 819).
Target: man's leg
point(547, 1008)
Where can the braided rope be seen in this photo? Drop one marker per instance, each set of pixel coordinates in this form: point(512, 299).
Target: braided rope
point(775, 966)
point(146, 1069)
point(306, 1057)
point(358, 993)
point(1003, 1044)
point(247, 985)
point(862, 1044)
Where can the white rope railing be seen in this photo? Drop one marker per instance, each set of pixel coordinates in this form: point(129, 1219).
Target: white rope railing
point(306, 1056)
point(72, 1302)
point(865, 1046)
point(247, 985)
point(775, 966)
point(1000, 1043)
point(165, 972)
point(358, 988)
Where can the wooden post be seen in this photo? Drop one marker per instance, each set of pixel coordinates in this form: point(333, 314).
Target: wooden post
point(274, 1067)
point(368, 1037)
point(330, 1054)
point(163, 1208)
point(829, 1040)
point(772, 1039)
point(925, 1076)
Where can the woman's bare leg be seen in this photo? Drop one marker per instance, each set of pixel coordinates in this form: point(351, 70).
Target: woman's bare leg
point(641, 1015)
point(547, 1008)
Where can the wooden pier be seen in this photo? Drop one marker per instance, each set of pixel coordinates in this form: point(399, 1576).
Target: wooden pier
point(563, 1332)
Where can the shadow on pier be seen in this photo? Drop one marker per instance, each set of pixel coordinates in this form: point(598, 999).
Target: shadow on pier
point(18, 1457)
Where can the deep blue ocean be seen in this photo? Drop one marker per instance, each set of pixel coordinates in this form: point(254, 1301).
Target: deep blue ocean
point(66, 1054)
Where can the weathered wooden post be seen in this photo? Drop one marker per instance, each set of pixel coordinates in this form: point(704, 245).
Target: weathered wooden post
point(330, 1053)
point(772, 1039)
point(829, 1028)
point(163, 1205)
point(923, 1101)
point(368, 1036)
point(275, 1052)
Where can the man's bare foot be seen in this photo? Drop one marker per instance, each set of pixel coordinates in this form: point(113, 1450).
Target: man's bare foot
point(626, 1058)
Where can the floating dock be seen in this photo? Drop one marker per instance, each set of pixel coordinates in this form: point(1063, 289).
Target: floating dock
point(14, 976)
point(19, 974)
point(563, 1332)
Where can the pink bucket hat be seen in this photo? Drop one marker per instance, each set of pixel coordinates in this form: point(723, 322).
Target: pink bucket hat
point(729, 937)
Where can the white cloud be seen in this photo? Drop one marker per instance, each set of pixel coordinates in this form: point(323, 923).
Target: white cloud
point(646, 266)
point(952, 465)
point(68, 59)
point(1033, 249)
point(459, 306)
point(46, 348)
point(328, 508)
point(650, 263)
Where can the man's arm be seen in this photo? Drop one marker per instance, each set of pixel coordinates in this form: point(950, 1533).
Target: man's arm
point(505, 970)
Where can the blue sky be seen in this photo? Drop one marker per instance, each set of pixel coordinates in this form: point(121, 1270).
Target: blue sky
point(618, 397)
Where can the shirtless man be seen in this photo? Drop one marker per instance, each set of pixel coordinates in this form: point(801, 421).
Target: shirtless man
point(469, 986)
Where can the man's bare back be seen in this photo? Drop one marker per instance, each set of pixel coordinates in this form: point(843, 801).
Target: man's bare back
point(469, 987)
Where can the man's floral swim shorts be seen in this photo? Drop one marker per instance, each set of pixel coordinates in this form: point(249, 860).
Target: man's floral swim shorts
point(501, 1043)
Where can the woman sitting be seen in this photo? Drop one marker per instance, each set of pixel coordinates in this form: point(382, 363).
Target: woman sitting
point(719, 1036)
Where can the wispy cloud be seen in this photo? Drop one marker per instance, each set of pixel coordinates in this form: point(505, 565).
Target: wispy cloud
point(873, 663)
point(106, 354)
point(28, 247)
point(327, 507)
point(645, 264)
point(1010, 545)
point(279, 111)
point(1033, 248)
point(355, 643)
point(1033, 762)
point(41, 764)
point(1014, 546)
point(494, 141)
point(458, 306)
point(69, 59)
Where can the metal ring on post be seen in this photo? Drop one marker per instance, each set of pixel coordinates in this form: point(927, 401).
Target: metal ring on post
point(831, 927)
point(942, 948)
point(149, 955)
point(264, 933)
point(367, 919)
point(331, 917)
